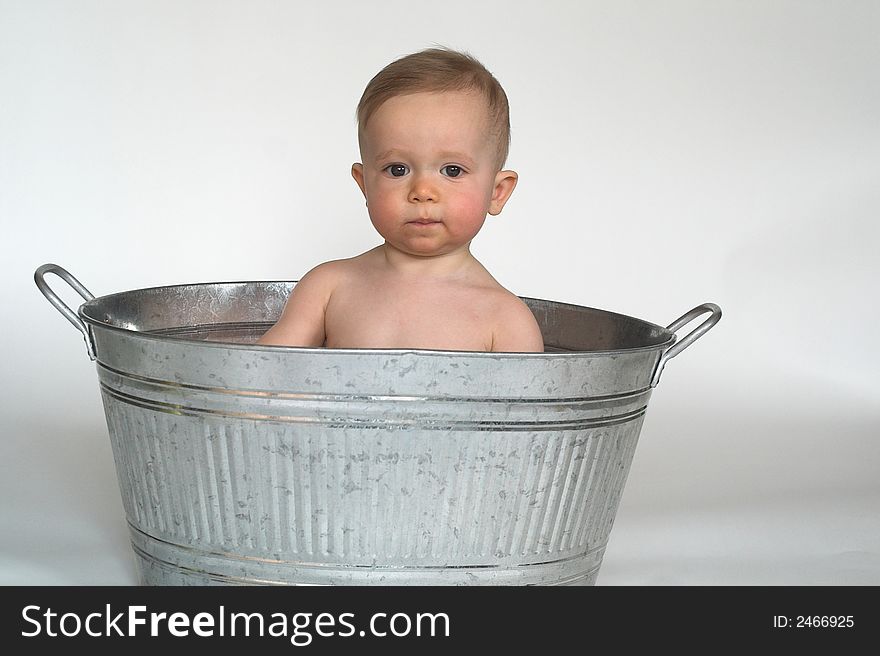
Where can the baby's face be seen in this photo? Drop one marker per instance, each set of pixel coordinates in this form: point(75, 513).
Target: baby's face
point(429, 171)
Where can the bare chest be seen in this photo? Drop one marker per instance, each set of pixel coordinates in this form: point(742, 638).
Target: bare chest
point(371, 314)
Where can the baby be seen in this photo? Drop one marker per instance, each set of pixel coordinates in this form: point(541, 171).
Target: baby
point(433, 131)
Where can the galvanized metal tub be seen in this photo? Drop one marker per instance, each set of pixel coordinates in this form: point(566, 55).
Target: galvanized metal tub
point(247, 464)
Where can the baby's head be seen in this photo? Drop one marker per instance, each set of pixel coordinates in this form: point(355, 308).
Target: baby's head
point(433, 131)
point(440, 70)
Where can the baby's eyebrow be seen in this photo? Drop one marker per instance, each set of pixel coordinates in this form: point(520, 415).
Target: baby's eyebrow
point(451, 155)
point(457, 157)
point(384, 154)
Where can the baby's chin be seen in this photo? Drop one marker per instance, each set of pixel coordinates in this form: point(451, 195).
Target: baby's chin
point(427, 249)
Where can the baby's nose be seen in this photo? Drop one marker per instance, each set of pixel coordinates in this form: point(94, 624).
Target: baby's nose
point(422, 190)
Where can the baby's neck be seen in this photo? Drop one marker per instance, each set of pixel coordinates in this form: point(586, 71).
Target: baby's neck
point(447, 265)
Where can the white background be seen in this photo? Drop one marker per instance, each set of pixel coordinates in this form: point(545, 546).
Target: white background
point(669, 153)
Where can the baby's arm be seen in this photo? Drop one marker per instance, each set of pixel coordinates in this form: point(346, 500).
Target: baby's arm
point(516, 330)
point(302, 321)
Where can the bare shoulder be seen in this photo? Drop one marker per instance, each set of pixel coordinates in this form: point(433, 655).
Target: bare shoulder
point(302, 321)
point(327, 273)
point(515, 328)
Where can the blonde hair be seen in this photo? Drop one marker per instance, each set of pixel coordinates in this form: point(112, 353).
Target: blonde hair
point(437, 70)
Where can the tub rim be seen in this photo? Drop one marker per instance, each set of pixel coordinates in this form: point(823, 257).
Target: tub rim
point(661, 346)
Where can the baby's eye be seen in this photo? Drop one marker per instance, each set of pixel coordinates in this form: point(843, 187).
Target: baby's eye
point(451, 170)
point(397, 170)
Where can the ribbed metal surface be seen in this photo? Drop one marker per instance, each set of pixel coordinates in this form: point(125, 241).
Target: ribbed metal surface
point(247, 464)
point(349, 496)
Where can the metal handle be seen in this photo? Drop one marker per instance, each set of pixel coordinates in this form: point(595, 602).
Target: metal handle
point(60, 305)
point(691, 337)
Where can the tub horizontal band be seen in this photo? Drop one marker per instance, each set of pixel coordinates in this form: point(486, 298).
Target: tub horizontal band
point(142, 537)
point(319, 397)
point(174, 574)
point(341, 420)
point(188, 561)
point(378, 411)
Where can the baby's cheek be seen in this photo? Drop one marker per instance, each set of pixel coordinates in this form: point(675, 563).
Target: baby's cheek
point(472, 212)
point(382, 211)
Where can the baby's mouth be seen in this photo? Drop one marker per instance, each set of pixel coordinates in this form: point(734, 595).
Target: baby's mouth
point(424, 222)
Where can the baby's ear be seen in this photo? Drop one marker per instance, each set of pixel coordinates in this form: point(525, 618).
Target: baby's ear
point(505, 182)
point(357, 172)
